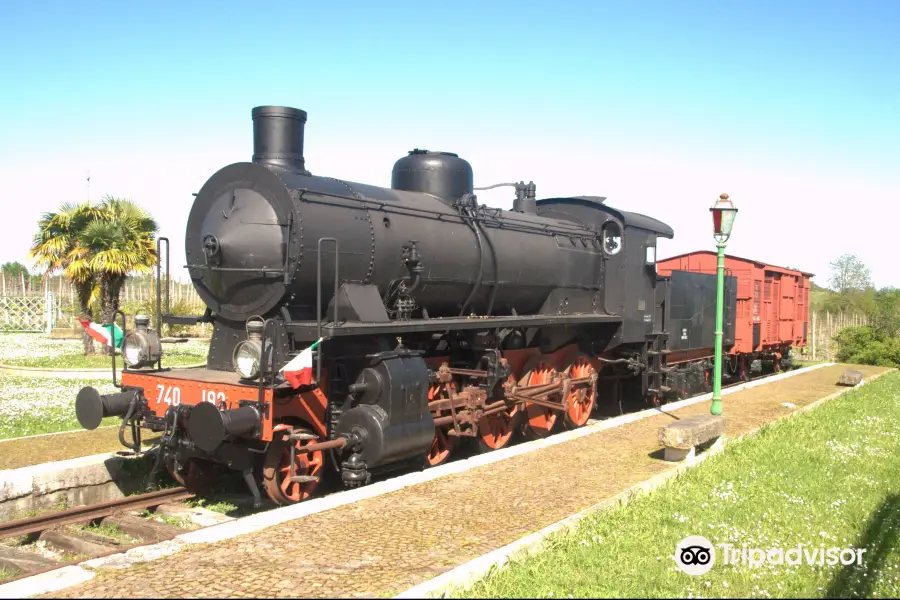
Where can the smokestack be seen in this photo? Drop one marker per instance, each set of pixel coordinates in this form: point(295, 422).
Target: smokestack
point(278, 137)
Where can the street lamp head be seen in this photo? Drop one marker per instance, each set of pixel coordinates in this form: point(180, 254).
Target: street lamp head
point(723, 213)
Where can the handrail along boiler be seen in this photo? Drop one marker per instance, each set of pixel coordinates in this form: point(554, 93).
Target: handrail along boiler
point(444, 321)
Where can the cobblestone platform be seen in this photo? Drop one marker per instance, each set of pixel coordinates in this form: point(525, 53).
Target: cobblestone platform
point(383, 545)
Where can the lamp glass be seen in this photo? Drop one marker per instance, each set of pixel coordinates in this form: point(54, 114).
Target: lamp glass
point(246, 358)
point(723, 214)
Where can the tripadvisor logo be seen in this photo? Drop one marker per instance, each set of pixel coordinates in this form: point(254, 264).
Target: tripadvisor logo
point(696, 555)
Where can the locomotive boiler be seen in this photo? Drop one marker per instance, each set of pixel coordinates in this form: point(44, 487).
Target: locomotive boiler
point(435, 320)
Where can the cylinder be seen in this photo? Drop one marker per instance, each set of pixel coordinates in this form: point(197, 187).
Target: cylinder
point(278, 137)
point(387, 440)
point(91, 408)
point(208, 426)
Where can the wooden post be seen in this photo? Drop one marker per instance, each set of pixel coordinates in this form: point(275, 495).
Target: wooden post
point(813, 336)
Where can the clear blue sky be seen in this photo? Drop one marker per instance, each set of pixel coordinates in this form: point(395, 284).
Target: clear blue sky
point(793, 108)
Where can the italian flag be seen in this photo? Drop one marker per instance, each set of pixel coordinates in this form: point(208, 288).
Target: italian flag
point(107, 335)
point(299, 371)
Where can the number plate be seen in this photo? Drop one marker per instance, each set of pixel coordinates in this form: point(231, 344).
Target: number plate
point(170, 395)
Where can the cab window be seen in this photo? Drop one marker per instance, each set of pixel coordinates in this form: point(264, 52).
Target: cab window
point(612, 238)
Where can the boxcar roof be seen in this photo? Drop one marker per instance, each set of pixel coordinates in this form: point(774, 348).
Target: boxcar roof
point(760, 263)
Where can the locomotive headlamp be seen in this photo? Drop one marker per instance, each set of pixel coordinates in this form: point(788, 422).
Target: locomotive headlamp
point(142, 347)
point(248, 353)
point(723, 213)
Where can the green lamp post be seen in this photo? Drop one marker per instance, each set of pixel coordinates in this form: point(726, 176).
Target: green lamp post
point(723, 214)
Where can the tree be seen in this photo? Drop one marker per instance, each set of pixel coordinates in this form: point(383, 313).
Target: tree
point(17, 272)
point(886, 316)
point(14, 269)
point(56, 247)
point(850, 278)
point(120, 240)
point(97, 246)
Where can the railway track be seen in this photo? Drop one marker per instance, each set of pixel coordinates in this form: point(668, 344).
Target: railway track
point(85, 514)
point(84, 543)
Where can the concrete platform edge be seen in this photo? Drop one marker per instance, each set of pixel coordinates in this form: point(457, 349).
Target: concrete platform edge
point(15, 483)
point(46, 583)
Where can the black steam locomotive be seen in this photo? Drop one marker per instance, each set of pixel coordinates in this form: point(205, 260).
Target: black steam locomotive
point(442, 320)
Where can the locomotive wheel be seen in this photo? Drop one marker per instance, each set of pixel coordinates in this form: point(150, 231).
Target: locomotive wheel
point(580, 401)
point(443, 443)
point(496, 430)
point(277, 470)
point(539, 420)
point(192, 475)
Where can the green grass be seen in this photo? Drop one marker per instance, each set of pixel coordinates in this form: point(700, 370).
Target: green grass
point(35, 405)
point(829, 477)
point(225, 508)
point(6, 573)
point(97, 361)
point(39, 351)
point(220, 506)
point(180, 522)
point(106, 530)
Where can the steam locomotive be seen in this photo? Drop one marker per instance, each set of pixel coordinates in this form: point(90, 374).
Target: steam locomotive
point(441, 320)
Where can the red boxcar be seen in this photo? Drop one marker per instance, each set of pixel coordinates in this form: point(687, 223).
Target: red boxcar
point(772, 302)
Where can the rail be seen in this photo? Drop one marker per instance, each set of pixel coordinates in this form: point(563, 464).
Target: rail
point(81, 514)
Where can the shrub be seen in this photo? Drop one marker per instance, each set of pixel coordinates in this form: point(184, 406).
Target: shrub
point(867, 346)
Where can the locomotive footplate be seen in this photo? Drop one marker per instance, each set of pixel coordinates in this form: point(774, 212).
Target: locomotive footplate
point(310, 329)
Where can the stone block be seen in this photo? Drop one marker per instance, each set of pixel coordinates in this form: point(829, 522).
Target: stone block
point(18, 561)
point(850, 378)
point(690, 432)
point(678, 455)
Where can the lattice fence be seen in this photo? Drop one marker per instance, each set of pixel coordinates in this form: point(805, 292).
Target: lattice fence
point(27, 313)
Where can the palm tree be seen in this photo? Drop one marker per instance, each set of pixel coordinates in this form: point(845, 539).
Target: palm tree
point(97, 246)
point(120, 240)
point(56, 247)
